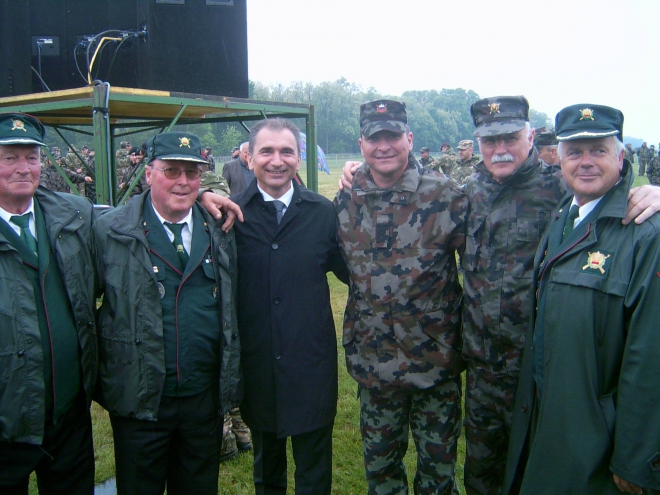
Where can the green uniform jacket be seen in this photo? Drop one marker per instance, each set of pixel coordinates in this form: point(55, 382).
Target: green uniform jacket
point(131, 346)
point(22, 395)
point(599, 411)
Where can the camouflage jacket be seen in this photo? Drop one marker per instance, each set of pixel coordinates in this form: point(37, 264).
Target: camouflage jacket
point(644, 154)
point(504, 228)
point(431, 163)
point(123, 165)
point(630, 154)
point(448, 162)
point(463, 170)
point(51, 179)
point(217, 183)
point(402, 319)
point(72, 162)
point(653, 171)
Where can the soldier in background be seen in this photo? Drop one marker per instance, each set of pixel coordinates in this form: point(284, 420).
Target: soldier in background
point(399, 227)
point(235, 151)
point(123, 164)
point(653, 171)
point(643, 156)
point(53, 180)
point(207, 153)
point(447, 160)
point(427, 160)
point(467, 160)
point(630, 153)
point(546, 144)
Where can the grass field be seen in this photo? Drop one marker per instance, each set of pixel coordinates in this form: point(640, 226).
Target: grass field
point(348, 476)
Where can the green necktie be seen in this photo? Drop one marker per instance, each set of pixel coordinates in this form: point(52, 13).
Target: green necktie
point(178, 241)
point(23, 221)
point(573, 213)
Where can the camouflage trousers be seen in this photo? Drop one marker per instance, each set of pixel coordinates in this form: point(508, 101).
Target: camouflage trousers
point(488, 410)
point(434, 417)
point(642, 166)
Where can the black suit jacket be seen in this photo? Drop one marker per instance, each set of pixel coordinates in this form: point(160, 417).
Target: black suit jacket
point(233, 172)
point(288, 339)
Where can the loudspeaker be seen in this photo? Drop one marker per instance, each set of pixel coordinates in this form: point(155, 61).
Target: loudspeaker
point(191, 46)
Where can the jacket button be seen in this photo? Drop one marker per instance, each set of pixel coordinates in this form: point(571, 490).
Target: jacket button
point(277, 300)
point(523, 408)
point(278, 355)
point(274, 245)
point(138, 341)
point(20, 353)
point(28, 341)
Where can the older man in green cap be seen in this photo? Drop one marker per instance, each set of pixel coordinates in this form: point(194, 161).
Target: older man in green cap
point(48, 348)
point(587, 415)
point(168, 342)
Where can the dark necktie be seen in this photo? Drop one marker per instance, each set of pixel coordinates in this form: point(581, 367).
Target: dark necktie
point(176, 229)
point(279, 206)
point(23, 221)
point(573, 213)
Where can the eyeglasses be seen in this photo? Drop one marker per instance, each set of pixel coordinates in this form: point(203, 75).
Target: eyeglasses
point(175, 172)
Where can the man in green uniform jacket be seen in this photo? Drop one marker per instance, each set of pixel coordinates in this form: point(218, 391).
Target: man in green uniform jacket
point(587, 415)
point(168, 338)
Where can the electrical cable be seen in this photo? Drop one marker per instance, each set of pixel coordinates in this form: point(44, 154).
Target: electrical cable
point(127, 38)
point(91, 64)
point(40, 78)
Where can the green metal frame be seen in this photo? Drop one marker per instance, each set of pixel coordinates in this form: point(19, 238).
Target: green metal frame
point(107, 110)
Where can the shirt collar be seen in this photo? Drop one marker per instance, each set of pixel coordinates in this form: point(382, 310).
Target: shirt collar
point(186, 220)
point(285, 198)
point(5, 215)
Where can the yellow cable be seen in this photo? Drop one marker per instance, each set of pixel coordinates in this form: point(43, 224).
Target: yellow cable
point(98, 48)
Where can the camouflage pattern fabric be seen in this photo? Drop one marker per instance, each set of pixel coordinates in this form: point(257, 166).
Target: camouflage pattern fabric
point(434, 417)
point(430, 163)
point(448, 162)
point(653, 172)
point(240, 430)
point(51, 179)
point(401, 324)
point(215, 182)
point(211, 160)
point(463, 170)
point(504, 228)
point(488, 411)
point(229, 450)
point(630, 154)
point(643, 155)
point(90, 187)
point(123, 165)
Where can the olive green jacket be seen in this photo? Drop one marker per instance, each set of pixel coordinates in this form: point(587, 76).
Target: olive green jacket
point(131, 346)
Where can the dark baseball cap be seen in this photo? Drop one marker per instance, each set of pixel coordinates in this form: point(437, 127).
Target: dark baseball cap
point(21, 128)
point(175, 146)
point(383, 115)
point(547, 138)
point(499, 115)
point(588, 121)
point(424, 149)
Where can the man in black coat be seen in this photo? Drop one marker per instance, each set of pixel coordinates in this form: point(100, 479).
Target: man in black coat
point(238, 172)
point(286, 246)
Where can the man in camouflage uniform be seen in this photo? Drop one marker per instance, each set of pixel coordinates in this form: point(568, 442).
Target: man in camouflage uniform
point(466, 162)
point(207, 153)
point(643, 156)
point(428, 161)
point(653, 171)
point(630, 153)
point(447, 160)
point(546, 144)
point(123, 163)
point(52, 179)
point(400, 226)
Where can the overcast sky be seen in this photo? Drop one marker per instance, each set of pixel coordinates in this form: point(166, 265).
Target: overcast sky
point(555, 52)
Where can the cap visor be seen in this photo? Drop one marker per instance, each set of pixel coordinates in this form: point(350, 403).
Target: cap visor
point(498, 128)
point(569, 135)
point(13, 140)
point(383, 125)
point(185, 158)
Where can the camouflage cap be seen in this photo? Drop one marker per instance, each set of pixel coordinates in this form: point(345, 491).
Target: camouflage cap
point(465, 144)
point(499, 115)
point(21, 128)
point(547, 138)
point(175, 146)
point(653, 146)
point(425, 149)
point(235, 149)
point(84, 147)
point(587, 121)
point(383, 115)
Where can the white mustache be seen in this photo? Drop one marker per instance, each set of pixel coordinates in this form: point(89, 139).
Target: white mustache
point(505, 157)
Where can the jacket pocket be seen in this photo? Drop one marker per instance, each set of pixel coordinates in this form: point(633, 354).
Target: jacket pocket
point(477, 248)
point(115, 351)
point(10, 362)
point(609, 413)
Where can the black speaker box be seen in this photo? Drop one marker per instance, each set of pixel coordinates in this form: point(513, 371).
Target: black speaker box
point(191, 46)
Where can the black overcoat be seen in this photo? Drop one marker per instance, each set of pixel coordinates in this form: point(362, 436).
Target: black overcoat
point(289, 345)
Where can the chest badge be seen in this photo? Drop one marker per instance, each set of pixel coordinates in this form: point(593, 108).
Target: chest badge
point(161, 290)
point(596, 261)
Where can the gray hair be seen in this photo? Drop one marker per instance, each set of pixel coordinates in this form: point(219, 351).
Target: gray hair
point(618, 145)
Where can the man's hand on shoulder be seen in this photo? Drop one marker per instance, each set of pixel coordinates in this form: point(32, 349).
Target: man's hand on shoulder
point(347, 174)
point(643, 202)
point(218, 205)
